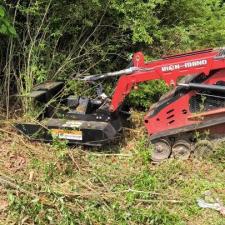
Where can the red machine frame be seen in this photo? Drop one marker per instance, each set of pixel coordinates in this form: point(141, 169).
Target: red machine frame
point(170, 69)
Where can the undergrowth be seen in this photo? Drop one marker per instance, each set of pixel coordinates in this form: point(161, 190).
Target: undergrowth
point(62, 185)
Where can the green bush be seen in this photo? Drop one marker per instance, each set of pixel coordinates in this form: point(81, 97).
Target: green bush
point(147, 94)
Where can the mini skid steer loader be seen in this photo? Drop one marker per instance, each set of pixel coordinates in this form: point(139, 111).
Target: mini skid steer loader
point(195, 104)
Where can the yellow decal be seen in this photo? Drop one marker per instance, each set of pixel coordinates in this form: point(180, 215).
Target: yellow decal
point(67, 134)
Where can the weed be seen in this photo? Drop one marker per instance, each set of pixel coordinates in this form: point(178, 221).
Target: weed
point(50, 172)
point(35, 164)
point(143, 150)
point(219, 155)
point(22, 207)
point(35, 212)
point(59, 144)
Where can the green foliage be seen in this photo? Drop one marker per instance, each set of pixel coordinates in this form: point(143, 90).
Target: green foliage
point(147, 94)
point(145, 181)
point(58, 40)
point(40, 213)
point(59, 145)
point(93, 213)
point(6, 26)
point(139, 17)
point(219, 154)
point(50, 171)
point(172, 26)
point(143, 150)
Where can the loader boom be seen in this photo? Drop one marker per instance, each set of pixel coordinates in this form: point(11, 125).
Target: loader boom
point(169, 69)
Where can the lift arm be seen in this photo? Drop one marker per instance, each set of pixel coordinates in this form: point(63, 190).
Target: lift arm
point(168, 69)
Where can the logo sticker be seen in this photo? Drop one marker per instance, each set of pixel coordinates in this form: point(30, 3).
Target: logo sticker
point(67, 134)
point(191, 64)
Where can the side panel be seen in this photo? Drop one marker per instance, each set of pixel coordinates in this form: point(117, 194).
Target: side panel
point(176, 112)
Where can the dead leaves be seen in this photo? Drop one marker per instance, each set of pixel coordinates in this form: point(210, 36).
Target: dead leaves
point(16, 162)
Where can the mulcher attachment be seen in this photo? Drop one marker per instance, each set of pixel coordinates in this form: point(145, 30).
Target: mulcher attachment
point(74, 131)
point(82, 120)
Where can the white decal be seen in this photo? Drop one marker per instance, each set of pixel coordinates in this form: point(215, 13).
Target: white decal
point(72, 124)
point(77, 137)
point(173, 67)
point(195, 63)
point(170, 68)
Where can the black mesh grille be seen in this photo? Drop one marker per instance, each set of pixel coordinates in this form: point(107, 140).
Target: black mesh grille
point(200, 103)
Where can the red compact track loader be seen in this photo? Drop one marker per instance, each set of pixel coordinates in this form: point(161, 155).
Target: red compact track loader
point(195, 105)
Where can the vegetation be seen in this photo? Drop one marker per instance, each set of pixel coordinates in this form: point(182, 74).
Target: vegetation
point(59, 39)
point(43, 184)
point(6, 27)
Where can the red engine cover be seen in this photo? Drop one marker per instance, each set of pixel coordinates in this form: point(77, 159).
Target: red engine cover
point(174, 111)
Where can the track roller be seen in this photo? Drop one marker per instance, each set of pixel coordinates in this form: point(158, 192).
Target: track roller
point(181, 149)
point(161, 150)
point(203, 149)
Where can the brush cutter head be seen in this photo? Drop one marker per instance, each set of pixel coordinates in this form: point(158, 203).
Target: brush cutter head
point(90, 133)
point(82, 120)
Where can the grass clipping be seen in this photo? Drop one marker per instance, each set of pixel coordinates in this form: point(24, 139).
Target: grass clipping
point(54, 184)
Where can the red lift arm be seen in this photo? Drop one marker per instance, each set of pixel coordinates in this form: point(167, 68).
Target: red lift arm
point(168, 69)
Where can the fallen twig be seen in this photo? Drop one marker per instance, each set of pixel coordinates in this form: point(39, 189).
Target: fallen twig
point(159, 200)
point(9, 184)
point(145, 192)
point(111, 154)
point(74, 161)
